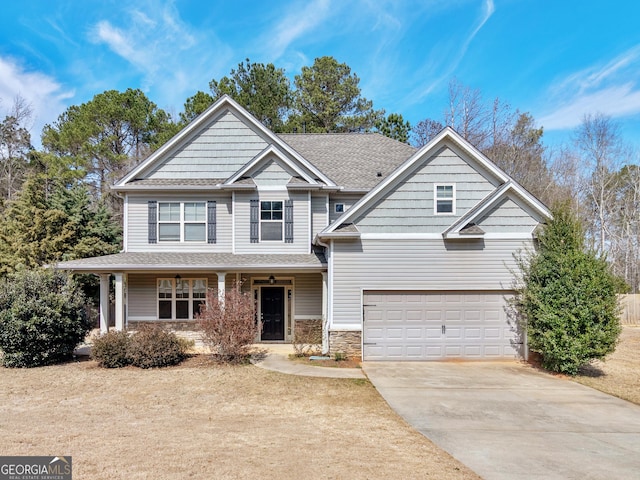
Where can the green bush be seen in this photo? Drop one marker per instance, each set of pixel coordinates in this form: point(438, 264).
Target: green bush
point(152, 346)
point(42, 318)
point(568, 299)
point(110, 349)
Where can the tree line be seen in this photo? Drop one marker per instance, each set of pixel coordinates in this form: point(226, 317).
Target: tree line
point(55, 202)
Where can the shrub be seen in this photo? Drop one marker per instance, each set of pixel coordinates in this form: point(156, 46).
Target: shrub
point(110, 349)
point(42, 318)
point(152, 346)
point(568, 299)
point(307, 338)
point(229, 328)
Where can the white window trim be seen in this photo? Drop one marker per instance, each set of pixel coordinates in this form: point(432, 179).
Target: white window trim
point(271, 221)
point(183, 222)
point(173, 297)
point(435, 198)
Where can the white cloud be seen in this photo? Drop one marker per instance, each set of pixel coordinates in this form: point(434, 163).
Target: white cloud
point(44, 94)
point(611, 88)
point(174, 59)
point(296, 25)
point(452, 61)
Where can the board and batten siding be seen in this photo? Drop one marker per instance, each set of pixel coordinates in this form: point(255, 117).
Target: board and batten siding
point(410, 206)
point(138, 225)
point(416, 265)
point(217, 150)
point(142, 292)
point(301, 226)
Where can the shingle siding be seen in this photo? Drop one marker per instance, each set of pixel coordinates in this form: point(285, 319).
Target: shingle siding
point(218, 150)
point(410, 207)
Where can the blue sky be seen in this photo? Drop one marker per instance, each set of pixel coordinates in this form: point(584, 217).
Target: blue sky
point(557, 60)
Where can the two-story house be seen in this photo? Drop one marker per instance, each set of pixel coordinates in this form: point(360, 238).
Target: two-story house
point(398, 253)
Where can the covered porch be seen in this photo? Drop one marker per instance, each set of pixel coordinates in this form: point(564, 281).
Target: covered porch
point(168, 288)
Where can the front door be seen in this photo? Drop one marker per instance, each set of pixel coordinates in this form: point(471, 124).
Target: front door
point(272, 309)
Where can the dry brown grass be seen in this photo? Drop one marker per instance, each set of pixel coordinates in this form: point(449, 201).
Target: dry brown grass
point(619, 375)
point(210, 421)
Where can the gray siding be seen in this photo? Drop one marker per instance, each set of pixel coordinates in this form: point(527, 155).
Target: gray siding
point(137, 224)
point(347, 200)
point(319, 217)
point(417, 265)
point(218, 150)
point(508, 217)
point(409, 208)
point(272, 173)
point(301, 226)
point(142, 294)
point(308, 295)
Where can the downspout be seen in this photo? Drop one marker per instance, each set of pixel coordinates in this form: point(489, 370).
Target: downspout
point(325, 320)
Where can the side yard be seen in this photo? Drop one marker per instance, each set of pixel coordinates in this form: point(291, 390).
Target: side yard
point(620, 374)
point(206, 421)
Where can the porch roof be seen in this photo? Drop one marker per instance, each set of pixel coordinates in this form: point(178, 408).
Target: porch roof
point(159, 261)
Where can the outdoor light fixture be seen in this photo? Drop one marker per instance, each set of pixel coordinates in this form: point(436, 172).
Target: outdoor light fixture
point(272, 280)
point(178, 277)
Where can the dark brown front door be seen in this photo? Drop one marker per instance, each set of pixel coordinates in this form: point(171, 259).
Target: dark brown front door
point(272, 308)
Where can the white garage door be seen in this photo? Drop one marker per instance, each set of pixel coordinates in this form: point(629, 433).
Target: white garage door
point(437, 325)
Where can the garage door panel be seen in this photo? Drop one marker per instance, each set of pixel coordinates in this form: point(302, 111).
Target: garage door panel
point(409, 326)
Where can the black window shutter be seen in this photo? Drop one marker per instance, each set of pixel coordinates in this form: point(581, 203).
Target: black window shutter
point(211, 221)
point(288, 221)
point(153, 221)
point(254, 214)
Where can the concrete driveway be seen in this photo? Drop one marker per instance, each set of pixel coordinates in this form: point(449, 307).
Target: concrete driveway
point(509, 421)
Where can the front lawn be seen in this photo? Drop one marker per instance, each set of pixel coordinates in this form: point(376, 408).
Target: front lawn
point(207, 421)
point(619, 375)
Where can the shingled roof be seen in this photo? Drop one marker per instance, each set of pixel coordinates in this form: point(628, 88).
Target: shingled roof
point(351, 160)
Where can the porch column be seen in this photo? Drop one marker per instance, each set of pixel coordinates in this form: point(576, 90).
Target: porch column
point(104, 302)
point(221, 285)
point(325, 326)
point(119, 286)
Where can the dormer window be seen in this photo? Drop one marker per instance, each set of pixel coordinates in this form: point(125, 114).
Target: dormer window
point(271, 221)
point(445, 199)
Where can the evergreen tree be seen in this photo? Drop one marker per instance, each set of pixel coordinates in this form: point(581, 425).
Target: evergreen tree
point(394, 127)
point(568, 298)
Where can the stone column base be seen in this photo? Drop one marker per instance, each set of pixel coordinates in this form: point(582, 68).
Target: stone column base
point(347, 342)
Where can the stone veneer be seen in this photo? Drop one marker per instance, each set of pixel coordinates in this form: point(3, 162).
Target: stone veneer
point(347, 342)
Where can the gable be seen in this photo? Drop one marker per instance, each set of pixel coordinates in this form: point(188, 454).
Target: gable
point(404, 202)
point(409, 207)
point(215, 151)
point(509, 215)
point(271, 173)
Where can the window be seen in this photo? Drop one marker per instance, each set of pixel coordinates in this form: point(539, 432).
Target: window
point(180, 298)
point(182, 222)
point(445, 199)
point(271, 221)
point(339, 207)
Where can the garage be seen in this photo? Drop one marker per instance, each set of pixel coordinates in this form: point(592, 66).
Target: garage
point(437, 325)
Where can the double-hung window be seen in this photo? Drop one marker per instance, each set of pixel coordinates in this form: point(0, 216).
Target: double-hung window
point(271, 223)
point(445, 199)
point(182, 221)
point(180, 298)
